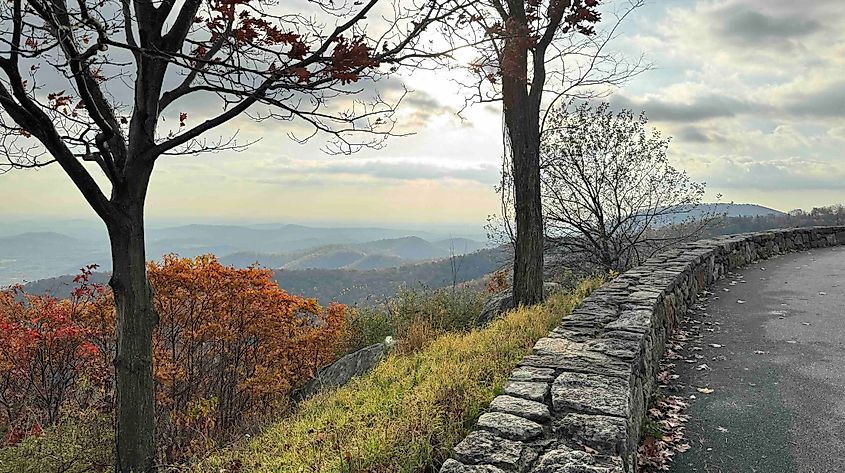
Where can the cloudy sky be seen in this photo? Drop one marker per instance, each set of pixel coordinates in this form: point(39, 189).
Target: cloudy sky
point(752, 92)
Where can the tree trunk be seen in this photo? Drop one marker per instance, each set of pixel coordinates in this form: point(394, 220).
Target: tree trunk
point(136, 319)
point(528, 255)
point(522, 119)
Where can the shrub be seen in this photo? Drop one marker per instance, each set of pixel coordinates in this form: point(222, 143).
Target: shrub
point(366, 326)
point(47, 359)
point(229, 345)
point(414, 317)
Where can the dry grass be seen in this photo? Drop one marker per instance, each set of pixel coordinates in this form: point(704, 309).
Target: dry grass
point(408, 413)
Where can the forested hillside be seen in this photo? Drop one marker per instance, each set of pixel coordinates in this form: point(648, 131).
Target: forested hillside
point(354, 287)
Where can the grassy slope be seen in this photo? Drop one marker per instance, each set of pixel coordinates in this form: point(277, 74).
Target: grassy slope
point(410, 411)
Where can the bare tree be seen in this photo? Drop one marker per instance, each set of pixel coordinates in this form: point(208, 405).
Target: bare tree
point(610, 196)
point(456, 261)
point(89, 84)
point(532, 53)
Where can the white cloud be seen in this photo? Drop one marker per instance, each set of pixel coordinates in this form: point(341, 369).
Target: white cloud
point(753, 93)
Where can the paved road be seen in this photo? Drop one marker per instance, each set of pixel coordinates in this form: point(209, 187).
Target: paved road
point(779, 375)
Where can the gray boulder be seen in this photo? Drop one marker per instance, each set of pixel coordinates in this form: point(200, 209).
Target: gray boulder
point(502, 302)
point(498, 303)
point(342, 371)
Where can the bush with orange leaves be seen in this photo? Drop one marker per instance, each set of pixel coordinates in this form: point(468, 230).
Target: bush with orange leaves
point(229, 346)
point(46, 356)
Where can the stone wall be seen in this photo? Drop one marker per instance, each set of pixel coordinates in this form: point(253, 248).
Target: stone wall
point(575, 404)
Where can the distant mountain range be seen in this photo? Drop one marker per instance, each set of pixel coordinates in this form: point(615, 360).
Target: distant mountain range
point(378, 254)
point(348, 286)
point(683, 213)
point(34, 255)
point(43, 249)
point(737, 210)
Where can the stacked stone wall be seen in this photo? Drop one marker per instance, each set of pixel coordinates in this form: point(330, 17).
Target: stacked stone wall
point(576, 402)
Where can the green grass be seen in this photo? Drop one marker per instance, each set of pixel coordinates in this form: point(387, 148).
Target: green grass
point(80, 443)
point(408, 413)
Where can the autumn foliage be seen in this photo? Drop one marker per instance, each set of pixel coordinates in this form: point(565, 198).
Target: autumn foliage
point(46, 354)
point(230, 344)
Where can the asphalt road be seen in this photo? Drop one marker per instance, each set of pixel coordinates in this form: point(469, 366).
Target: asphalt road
point(772, 337)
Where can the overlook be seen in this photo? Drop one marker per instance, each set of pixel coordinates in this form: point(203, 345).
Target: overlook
point(457, 236)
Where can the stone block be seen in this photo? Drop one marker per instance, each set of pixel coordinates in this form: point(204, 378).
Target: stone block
point(563, 459)
point(591, 394)
point(537, 392)
point(583, 361)
point(533, 374)
point(606, 434)
point(453, 466)
point(484, 448)
point(509, 426)
point(532, 410)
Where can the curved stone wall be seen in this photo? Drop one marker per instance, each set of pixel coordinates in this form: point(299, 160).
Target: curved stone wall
point(575, 404)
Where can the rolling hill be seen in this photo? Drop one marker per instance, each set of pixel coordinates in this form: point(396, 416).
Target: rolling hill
point(685, 212)
point(35, 255)
point(349, 286)
point(32, 250)
point(385, 253)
